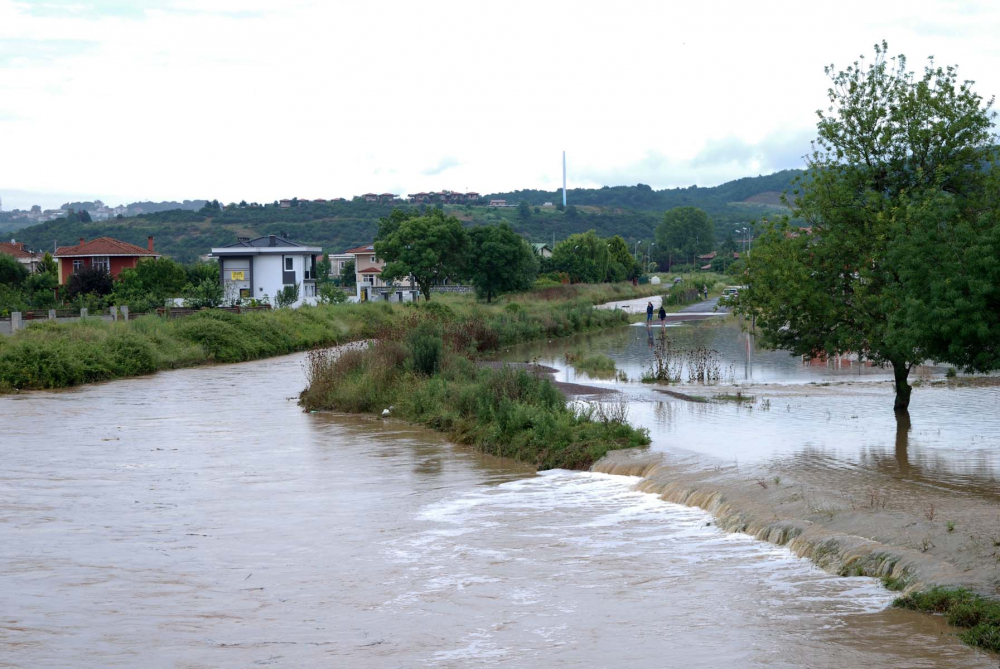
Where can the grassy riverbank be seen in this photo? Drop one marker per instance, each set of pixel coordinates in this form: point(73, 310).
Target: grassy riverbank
point(976, 616)
point(56, 355)
point(506, 412)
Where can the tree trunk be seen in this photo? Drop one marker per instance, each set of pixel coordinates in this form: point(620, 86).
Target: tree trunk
point(900, 373)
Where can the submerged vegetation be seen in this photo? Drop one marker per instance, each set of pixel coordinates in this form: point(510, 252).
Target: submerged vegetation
point(50, 354)
point(507, 412)
point(978, 617)
point(594, 364)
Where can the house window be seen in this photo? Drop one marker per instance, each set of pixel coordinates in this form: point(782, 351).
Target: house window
point(77, 265)
point(102, 263)
point(288, 264)
point(371, 258)
point(370, 279)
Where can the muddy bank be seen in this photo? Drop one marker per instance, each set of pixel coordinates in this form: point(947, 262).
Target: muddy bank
point(848, 522)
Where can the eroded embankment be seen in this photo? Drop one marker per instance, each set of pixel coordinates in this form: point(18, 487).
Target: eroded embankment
point(869, 539)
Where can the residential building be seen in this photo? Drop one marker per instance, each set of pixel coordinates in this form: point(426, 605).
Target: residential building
point(337, 263)
point(498, 203)
point(21, 254)
point(542, 250)
point(370, 285)
point(444, 197)
point(259, 268)
point(387, 198)
point(111, 255)
point(370, 197)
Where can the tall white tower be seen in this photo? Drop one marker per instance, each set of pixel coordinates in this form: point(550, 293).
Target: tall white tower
point(564, 178)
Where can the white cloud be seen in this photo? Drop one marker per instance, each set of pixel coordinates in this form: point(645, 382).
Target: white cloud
point(259, 100)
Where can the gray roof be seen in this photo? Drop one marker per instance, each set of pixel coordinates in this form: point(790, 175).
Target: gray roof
point(266, 240)
point(264, 245)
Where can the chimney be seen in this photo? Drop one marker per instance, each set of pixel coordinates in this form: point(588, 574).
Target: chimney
point(149, 243)
point(271, 240)
point(82, 240)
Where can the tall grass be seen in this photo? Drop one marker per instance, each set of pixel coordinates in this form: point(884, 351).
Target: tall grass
point(54, 355)
point(506, 412)
point(976, 616)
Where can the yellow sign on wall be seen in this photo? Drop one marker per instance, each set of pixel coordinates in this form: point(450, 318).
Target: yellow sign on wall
point(235, 275)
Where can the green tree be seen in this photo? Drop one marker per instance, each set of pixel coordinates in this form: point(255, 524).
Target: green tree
point(621, 256)
point(207, 293)
point(387, 225)
point(684, 233)
point(500, 261)
point(323, 269)
point(583, 256)
point(348, 275)
point(147, 285)
point(201, 271)
point(902, 198)
point(84, 216)
point(287, 296)
point(524, 211)
point(430, 248)
point(48, 265)
point(12, 273)
point(40, 288)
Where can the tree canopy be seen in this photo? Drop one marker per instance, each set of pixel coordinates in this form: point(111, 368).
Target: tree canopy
point(430, 248)
point(903, 261)
point(500, 261)
point(684, 233)
point(584, 257)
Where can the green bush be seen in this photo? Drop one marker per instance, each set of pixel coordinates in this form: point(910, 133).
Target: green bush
point(425, 346)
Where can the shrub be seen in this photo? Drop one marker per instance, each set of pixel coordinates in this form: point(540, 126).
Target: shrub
point(425, 346)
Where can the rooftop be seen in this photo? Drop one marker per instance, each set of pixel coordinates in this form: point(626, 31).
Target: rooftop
point(370, 248)
point(104, 246)
point(15, 249)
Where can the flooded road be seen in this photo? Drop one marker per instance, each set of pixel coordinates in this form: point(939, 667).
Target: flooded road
point(198, 518)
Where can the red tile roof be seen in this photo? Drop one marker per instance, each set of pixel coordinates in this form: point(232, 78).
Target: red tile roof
point(370, 270)
point(16, 250)
point(369, 248)
point(104, 246)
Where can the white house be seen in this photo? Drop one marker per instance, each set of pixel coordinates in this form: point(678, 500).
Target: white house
point(261, 267)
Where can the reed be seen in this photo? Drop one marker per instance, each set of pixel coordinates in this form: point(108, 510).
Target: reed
point(505, 412)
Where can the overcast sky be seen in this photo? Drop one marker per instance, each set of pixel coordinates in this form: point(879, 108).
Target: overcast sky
point(260, 99)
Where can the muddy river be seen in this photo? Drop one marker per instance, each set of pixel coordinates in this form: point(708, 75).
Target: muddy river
point(198, 518)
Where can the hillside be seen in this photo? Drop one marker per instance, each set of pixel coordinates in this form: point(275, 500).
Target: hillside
point(630, 211)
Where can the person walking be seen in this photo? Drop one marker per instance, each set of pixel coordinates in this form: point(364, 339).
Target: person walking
point(649, 313)
point(663, 316)
point(706, 291)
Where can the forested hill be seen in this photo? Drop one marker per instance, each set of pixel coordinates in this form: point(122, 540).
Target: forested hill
point(630, 211)
point(721, 201)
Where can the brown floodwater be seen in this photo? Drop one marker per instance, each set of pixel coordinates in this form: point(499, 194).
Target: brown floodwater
point(800, 415)
point(198, 518)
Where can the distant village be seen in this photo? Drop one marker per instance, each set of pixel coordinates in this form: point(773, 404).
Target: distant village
point(98, 211)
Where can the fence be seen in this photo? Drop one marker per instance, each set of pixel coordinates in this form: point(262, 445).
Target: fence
point(451, 289)
point(18, 320)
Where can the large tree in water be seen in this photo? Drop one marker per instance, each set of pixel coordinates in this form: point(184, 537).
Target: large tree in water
point(902, 262)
